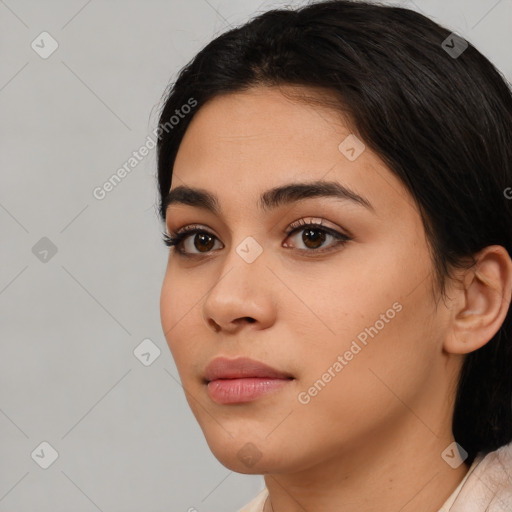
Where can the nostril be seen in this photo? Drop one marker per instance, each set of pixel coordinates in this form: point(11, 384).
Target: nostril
point(214, 325)
point(242, 319)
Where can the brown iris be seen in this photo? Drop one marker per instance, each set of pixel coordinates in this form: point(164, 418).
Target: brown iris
point(313, 236)
point(203, 237)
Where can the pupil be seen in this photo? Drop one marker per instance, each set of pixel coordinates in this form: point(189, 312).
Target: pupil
point(203, 237)
point(309, 236)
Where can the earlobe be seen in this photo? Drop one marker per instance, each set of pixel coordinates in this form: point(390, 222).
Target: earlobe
point(482, 302)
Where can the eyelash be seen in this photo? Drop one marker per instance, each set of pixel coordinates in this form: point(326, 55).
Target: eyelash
point(176, 239)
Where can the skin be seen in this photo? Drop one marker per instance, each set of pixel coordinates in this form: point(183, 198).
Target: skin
point(372, 439)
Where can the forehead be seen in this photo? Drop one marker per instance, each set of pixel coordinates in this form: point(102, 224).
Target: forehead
point(261, 118)
point(240, 145)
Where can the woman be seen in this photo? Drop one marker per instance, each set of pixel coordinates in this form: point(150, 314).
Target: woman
point(333, 180)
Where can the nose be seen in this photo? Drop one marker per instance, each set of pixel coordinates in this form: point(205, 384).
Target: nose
point(241, 295)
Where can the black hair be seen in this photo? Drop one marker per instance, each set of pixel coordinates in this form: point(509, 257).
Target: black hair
point(441, 122)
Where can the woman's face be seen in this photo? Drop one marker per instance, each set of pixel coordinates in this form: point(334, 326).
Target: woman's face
point(350, 324)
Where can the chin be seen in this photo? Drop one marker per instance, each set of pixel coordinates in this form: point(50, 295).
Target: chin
point(243, 453)
point(248, 454)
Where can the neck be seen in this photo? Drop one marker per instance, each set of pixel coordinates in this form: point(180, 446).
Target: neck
point(389, 473)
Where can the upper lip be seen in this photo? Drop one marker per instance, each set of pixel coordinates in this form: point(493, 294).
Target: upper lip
point(240, 368)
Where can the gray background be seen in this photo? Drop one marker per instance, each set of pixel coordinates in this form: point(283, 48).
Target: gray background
point(70, 321)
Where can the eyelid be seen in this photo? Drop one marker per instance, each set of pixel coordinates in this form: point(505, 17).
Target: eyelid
point(191, 227)
point(314, 221)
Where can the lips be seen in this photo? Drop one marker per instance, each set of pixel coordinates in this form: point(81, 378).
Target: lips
point(242, 380)
point(241, 368)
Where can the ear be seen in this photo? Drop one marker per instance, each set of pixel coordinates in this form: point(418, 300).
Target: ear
point(481, 301)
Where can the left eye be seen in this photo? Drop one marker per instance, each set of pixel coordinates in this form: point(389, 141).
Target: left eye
point(314, 235)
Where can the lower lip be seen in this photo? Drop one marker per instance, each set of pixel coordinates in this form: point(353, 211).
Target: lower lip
point(235, 391)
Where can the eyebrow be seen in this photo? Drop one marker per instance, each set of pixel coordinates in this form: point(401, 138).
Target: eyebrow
point(270, 199)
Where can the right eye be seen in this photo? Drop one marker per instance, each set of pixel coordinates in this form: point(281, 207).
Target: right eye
point(202, 239)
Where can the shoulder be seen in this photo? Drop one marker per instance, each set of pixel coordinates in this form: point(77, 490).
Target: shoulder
point(256, 505)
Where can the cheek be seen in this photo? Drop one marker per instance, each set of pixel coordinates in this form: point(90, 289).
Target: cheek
point(376, 357)
point(376, 287)
point(376, 312)
point(357, 397)
point(168, 303)
point(177, 308)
